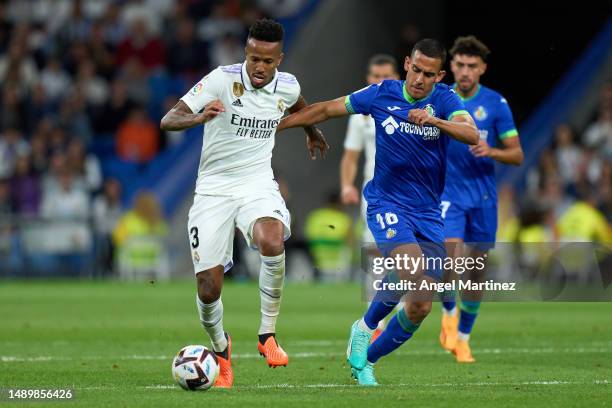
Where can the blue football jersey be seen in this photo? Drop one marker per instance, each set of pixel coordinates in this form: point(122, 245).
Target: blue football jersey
point(410, 163)
point(470, 181)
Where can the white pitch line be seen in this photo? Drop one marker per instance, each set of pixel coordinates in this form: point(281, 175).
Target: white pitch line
point(412, 385)
point(547, 350)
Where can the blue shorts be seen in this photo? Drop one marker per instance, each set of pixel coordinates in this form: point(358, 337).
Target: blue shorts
point(476, 226)
point(392, 226)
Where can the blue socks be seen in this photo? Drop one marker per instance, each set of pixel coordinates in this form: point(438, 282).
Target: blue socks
point(398, 331)
point(467, 317)
point(383, 303)
point(448, 300)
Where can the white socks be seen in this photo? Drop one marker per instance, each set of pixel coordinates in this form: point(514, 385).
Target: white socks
point(464, 336)
point(271, 278)
point(451, 312)
point(211, 317)
point(363, 326)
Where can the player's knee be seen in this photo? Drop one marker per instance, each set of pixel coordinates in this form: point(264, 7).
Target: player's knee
point(418, 311)
point(209, 290)
point(271, 246)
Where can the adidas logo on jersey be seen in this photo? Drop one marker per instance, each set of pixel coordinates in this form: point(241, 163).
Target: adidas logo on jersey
point(237, 103)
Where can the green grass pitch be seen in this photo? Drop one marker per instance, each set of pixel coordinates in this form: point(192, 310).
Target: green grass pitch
point(113, 344)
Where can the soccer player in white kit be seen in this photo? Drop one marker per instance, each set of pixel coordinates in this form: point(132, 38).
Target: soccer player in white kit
point(243, 104)
point(361, 136)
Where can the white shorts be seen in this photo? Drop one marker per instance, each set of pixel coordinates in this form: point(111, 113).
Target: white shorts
point(213, 220)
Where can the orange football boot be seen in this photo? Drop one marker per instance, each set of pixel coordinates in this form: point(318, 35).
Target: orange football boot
point(463, 353)
point(449, 331)
point(274, 354)
point(226, 374)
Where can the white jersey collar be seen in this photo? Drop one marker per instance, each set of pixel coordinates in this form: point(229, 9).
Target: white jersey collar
point(246, 81)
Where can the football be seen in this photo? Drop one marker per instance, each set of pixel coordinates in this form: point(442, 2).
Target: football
point(195, 368)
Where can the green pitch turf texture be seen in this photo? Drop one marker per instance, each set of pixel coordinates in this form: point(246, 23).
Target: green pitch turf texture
point(113, 344)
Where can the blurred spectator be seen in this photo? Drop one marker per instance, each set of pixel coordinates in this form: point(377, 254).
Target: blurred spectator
point(102, 53)
point(13, 112)
point(227, 50)
point(73, 116)
point(598, 135)
point(139, 235)
point(187, 55)
point(582, 222)
point(38, 107)
point(17, 68)
point(114, 28)
point(67, 211)
point(569, 155)
point(12, 145)
point(134, 77)
point(54, 79)
point(93, 87)
point(140, 44)
point(115, 110)
point(219, 23)
point(137, 138)
point(84, 166)
point(328, 232)
point(106, 215)
point(25, 187)
point(38, 151)
point(6, 202)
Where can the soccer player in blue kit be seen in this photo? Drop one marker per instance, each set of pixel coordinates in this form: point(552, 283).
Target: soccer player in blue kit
point(414, 121)
point(469, 201)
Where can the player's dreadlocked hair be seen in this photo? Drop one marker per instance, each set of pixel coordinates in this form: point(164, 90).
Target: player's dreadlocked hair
point(431, 48)
point(470, 45)
point(267, 30)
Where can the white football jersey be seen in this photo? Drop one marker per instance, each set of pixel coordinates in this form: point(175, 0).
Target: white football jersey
point(237, 148)
point(361, 135)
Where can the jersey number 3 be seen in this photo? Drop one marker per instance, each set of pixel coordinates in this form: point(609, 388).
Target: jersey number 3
point(194, 237)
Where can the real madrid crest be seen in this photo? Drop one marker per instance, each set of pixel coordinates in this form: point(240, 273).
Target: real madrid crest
point(238, 89)
point(196, 256)
point(280, 106)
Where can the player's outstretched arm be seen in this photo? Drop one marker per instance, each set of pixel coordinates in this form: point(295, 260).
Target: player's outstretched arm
point(315, 113)
point(314, 137)
point(181, 117)
point(511, 153)
point(460, 127)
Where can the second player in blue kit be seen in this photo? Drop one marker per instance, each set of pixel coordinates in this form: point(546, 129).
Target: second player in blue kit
point(414, 121)
point(469, 202)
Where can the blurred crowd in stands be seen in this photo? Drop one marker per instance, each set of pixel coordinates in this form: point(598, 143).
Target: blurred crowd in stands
point(569, 192)
point(80, 75)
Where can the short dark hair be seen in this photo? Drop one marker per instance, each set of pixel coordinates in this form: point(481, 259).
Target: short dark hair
point(470, 45)
point(383, 59)
point(267, 30)
point(431, 48)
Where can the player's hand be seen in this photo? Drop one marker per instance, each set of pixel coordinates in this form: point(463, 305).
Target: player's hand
point(419, 117)
point(349, 195)
point(211, 111)
point(482, 149)
point(316, 141)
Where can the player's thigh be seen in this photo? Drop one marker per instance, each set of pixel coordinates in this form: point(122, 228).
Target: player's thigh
point(261, 205)
point(454, 218)
point(390, 227)
point(481, 228)
point(210, 227)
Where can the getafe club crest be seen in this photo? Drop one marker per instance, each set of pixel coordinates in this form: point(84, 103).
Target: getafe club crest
point(430, 109)
point(280, 106)
point(480, 113)
point(238, 89)
point(391, 233)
